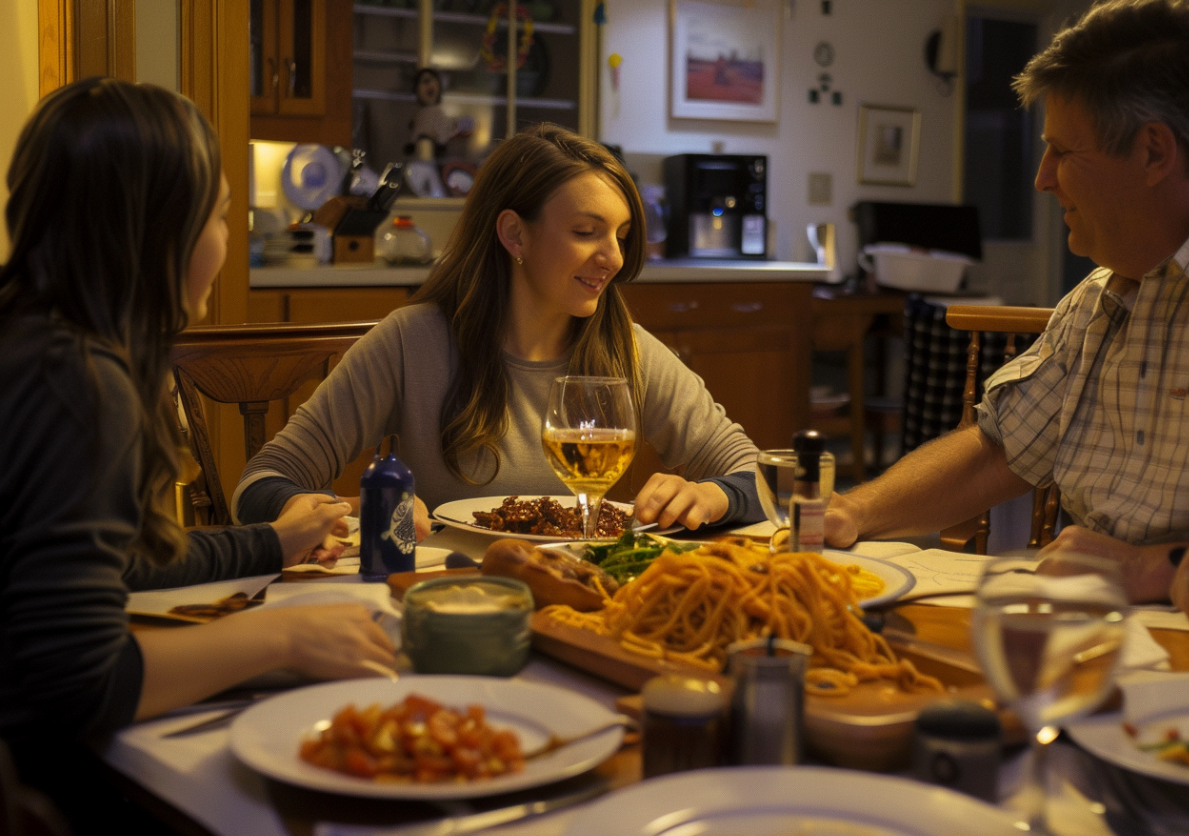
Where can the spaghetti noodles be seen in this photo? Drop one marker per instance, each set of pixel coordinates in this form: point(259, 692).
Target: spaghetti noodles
point(690, 607)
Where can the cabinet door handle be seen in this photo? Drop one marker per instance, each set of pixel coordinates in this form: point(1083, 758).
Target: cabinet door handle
point(683, 307)
point(273, 74)
point(292, 66)
point(747, 307)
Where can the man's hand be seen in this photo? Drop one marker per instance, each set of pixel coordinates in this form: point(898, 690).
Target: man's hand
point(842, 526)
point(666, 499)
point(306, 526)
point(1147, 572)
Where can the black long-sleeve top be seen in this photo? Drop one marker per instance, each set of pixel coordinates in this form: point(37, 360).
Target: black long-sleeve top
point(70, 459)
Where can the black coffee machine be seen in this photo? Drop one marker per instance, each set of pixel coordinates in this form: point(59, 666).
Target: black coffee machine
point(718, 206)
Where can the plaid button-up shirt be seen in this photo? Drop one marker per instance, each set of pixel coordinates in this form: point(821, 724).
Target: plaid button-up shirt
point(1099, 405)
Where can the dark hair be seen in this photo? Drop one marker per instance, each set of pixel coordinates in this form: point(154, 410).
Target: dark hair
point(110, 187)
point(471, 282)
point(1126, 62)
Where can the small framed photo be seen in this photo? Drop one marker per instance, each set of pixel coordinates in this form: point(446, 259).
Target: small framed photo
point(889, 143)
point(724, 59)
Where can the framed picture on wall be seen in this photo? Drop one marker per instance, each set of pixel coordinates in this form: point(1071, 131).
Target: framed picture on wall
point(724, 59)
point(889, 143)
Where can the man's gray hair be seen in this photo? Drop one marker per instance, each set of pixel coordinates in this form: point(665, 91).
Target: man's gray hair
point(1126, 62)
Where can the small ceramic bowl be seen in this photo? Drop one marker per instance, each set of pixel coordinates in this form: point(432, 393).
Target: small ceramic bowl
point(464, 625)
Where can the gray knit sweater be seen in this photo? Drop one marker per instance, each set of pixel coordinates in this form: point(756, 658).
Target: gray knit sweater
point(394, 381)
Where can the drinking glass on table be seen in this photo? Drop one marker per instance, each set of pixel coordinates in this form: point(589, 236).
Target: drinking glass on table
point(1049, 642)
point(776, 476)
point(589, 436)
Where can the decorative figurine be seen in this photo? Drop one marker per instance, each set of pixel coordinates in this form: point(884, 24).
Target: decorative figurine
point(431, 127)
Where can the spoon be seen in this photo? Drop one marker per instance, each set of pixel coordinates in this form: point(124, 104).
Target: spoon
point(554, 742)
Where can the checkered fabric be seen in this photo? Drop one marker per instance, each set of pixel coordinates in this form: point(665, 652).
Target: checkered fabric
point(1100, 406)
point(935, 369)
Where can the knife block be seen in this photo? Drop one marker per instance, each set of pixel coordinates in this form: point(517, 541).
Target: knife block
point(354, 228)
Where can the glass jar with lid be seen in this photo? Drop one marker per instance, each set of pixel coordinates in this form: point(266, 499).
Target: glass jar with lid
point(403, 243)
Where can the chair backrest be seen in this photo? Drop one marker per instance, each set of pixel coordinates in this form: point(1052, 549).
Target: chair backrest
point(978, 319)
point(252, 366)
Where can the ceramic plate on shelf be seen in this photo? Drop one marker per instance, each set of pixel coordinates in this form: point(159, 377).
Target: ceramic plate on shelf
point(460, 514)
point(778, 801)
point(268, 735)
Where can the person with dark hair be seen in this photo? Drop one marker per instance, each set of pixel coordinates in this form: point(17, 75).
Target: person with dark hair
point(1098, 404)
point(117, 218)
point(528, 288)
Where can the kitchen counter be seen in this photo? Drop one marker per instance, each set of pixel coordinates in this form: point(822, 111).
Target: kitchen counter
point(664, 271)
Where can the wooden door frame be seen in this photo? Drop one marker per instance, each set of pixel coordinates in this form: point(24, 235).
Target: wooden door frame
point(80, 38)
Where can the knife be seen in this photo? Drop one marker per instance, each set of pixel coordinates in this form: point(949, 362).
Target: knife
point(472, 823)
point(385, 194)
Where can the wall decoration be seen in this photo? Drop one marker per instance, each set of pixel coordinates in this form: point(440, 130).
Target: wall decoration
point(889, 143)
point(724, 59)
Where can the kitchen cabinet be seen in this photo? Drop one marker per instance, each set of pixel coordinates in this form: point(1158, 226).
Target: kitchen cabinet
point(746, 340)
point(468, 43)
point(300, 70)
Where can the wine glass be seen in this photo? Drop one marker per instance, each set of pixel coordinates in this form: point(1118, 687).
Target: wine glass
point(776, 473)
point(1049, 639)
point(589, 436)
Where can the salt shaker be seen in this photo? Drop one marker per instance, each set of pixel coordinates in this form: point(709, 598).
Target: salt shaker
point(683, 724)
point(957, 744)
point(768, 702)
point(387, 537)
point(812, 486)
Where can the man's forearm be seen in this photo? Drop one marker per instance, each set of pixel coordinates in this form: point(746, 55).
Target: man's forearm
point(940, 484)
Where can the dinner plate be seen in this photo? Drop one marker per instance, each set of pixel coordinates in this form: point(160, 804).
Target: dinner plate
point(268, 735)
point(1103, 736)
point(897, 580)
point(767, 801)
point(458, 513)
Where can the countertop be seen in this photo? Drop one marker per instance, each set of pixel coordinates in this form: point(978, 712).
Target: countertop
point(664, 271)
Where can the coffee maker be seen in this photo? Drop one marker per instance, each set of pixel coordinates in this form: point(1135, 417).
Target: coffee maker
point(717, 206)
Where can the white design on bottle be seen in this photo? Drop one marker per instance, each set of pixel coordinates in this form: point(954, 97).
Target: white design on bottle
point(400, 527)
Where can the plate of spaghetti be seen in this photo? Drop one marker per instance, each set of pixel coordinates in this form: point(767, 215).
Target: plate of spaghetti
point(688, 608)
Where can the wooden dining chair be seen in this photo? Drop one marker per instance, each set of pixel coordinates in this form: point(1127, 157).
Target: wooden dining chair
point(253, 366)
point(1012, 321)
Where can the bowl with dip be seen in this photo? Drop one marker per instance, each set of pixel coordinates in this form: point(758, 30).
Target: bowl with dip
point(463, 625)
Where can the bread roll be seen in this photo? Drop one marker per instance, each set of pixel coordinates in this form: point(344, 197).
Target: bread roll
point(553, 576)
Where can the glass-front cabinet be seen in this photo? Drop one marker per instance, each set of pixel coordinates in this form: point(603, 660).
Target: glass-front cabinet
point(478, 95)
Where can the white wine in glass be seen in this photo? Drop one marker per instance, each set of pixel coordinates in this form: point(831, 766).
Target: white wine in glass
point(1049, 642)
point(589, 436)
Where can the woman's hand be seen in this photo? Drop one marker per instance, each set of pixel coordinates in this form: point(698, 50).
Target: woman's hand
point(306, 528)
point(332, 641)
point(1147, 572)
point(421, 520)
point(666, 499)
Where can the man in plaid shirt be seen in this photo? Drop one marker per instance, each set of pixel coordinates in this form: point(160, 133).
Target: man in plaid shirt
point(1099, 403)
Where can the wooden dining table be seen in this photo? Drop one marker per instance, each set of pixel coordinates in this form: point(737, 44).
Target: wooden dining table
point(197, 786)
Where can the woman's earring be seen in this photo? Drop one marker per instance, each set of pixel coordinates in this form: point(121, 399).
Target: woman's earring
point(519, 260)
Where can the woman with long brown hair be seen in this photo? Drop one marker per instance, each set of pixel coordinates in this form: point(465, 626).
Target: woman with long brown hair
point(117, 221)
point(528, 288)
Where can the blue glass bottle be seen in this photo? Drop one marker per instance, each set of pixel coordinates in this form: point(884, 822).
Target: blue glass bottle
point(387, 538)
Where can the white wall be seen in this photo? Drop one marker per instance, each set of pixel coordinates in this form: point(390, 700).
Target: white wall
point(18, 93)
point(879, 59)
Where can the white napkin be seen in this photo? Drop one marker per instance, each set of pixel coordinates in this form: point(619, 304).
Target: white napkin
point(426, 557)
point(1148, 695)
point(1141, 651)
